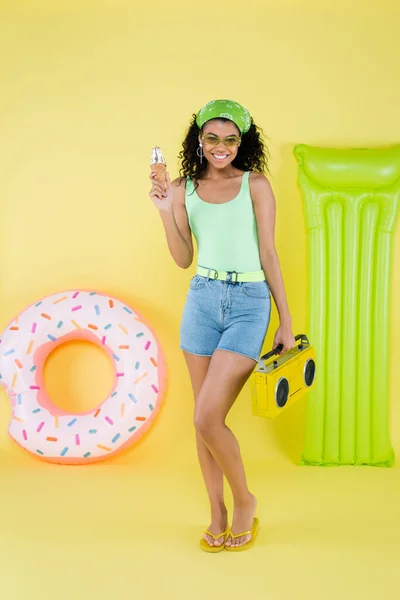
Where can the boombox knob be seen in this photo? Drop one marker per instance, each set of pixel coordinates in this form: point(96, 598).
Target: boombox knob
point(275, 364)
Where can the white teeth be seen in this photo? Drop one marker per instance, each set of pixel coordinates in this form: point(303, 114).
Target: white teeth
point(220, 157)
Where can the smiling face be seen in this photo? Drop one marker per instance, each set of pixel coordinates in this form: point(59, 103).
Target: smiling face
point(220, 155)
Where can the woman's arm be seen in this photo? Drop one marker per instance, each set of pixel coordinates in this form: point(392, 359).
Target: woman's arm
point(265, 213)
point(171, 206)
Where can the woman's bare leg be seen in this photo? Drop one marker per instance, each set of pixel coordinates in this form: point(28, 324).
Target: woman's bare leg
point(212, 474)
point(225, 377)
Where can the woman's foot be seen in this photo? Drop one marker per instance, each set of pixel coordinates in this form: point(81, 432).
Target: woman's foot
point(243, 519)
point(219, 524)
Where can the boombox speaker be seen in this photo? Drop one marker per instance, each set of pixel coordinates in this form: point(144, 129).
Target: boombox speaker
point(279, 381)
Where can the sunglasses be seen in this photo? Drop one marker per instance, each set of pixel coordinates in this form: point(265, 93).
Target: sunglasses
point(212, 140)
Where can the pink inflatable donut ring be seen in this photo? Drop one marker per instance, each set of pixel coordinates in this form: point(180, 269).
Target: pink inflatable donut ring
point(133, 402)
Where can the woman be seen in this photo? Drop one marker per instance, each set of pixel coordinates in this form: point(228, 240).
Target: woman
point(224, 200)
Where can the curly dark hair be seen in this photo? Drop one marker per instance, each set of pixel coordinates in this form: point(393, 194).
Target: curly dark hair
point(252, 154)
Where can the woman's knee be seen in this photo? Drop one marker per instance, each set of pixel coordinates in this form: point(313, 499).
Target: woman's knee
point(206, 424)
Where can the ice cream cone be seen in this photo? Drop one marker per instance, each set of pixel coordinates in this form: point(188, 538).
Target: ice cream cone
point(158, 165)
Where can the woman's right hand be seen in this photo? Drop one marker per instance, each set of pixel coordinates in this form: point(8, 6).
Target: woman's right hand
point(160, 197)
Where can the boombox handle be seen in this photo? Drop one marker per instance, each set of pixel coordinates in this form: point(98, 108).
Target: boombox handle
point(301, 336)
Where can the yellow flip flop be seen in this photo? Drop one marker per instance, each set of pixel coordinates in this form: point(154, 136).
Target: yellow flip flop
point(253, 532)
point(204, 545)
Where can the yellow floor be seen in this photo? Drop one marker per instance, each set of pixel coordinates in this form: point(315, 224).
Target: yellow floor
point(129, 529)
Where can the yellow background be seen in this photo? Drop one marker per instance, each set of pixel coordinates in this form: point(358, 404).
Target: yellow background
point(87, 88)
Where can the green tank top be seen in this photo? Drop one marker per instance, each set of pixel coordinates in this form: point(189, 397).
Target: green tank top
point(226, 234)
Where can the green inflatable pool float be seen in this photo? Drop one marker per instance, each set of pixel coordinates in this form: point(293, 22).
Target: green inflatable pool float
point(351, 200)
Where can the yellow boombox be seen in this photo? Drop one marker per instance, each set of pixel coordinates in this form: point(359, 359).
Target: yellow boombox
point(278, 383)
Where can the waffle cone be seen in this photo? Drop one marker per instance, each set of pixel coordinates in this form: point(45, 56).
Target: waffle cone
point(160, 169)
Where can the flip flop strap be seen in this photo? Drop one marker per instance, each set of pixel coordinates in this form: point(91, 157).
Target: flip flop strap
point(233, 536)
point(216, 537)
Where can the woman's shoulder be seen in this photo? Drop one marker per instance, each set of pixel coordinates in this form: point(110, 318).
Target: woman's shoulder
point(258, 177)
point(179, 182)
point(260, 188)
point(179, 187)
point(259, 182)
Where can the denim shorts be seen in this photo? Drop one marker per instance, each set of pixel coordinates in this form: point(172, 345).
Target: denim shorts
point(225, 316)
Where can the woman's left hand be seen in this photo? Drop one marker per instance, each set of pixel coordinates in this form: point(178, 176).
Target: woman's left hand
point(284, 336)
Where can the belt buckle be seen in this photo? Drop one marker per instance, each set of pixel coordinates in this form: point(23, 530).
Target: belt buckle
point(215, 276)
point(229, 277)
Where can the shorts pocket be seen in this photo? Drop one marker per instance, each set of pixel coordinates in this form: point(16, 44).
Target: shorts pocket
point(197, 282)
point(258, 289)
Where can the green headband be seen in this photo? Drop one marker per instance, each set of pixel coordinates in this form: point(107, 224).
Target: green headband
point(228, 110)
